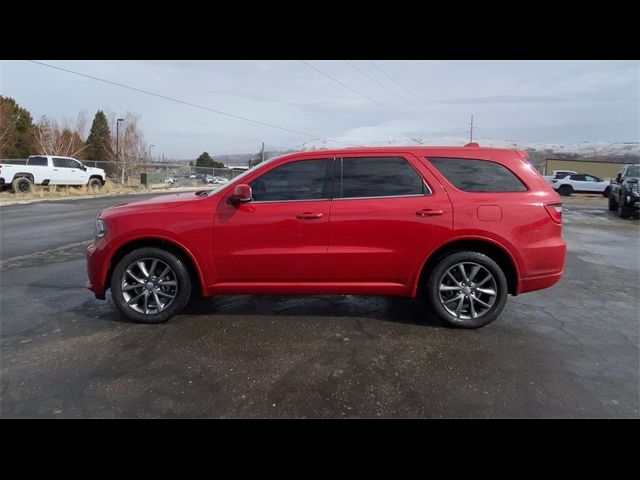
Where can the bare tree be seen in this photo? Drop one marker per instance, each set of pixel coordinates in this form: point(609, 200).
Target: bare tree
point(53, 139)
point(131, 145)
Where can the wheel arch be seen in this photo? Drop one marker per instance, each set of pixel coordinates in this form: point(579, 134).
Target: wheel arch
point(490, 248)
point(176, 248)
point(26, 175)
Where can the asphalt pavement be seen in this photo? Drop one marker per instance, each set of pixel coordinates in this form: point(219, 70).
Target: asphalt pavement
point(571, 351)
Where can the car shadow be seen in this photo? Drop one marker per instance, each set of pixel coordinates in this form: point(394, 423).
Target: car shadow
point(392, 309)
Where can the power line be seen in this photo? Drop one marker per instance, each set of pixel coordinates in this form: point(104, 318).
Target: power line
point(405, 88)
point(183, 102)
point(385, 87)
point(362, 94)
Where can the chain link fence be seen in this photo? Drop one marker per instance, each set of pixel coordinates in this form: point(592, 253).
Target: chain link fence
point(176, 174)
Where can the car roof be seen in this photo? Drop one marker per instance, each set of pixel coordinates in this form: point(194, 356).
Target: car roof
point(466, 152)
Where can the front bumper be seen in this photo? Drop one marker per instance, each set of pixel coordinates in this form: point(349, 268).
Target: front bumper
point(96, 270)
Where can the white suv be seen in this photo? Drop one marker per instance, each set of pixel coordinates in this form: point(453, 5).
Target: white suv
point(580, 183)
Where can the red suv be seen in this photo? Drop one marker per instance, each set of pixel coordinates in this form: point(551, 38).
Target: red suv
point(460, 227)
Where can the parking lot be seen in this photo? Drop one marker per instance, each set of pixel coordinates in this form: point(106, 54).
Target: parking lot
point(569, 351)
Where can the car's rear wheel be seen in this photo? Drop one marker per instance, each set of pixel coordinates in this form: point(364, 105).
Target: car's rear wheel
point(22, 185)
point(565, 190)
point(613, 205)
point(94, 184)
point(467, 289)
point(150, 285)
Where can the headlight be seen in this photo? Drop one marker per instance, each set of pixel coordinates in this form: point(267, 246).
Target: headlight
point(100, 228)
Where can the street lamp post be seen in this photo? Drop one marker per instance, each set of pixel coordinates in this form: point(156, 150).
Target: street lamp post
point(118, 143)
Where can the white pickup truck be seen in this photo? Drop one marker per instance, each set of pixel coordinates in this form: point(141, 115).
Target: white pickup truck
point(49, 170)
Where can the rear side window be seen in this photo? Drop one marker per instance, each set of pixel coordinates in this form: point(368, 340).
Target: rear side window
point(37, 161)
point(478, 175)
point(379, 177)
point(578, 178)
point(302, 180)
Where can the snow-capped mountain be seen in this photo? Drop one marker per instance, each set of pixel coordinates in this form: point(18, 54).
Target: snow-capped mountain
point(601, 151)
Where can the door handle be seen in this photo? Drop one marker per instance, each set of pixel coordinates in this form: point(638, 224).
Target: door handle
point(428, 212)
point(55, 169)
point(309, 216)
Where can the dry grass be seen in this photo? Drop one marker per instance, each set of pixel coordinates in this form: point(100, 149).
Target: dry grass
point(38, 192)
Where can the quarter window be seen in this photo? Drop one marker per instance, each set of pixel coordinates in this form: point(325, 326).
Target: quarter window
point(301, 180)
point(473, 175)
point(379, 177)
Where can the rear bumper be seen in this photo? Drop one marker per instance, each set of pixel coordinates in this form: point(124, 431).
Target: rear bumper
point(539, 283)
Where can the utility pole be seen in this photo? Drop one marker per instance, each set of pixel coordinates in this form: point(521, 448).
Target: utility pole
point(118, 120)
point(262, 153)
point(471, 130)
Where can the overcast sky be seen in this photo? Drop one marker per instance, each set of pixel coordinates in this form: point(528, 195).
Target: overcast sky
point(526, 101)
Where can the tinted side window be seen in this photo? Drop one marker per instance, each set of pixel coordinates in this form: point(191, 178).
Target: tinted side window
point(302, 180)
point(379, 177)
point(60, 162)
point(578, 178)
point(478, 175)
point(38, 161)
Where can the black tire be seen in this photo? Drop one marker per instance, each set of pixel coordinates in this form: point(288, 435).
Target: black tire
point(22, 185)
point(623, 212)
point(613, 205)
point(432, 289)
point(565, 190)
point(94, 184)
point(607, 192)
point(182, 278)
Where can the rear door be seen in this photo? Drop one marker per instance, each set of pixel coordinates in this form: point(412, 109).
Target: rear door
point(579, 183)
point(388, 212)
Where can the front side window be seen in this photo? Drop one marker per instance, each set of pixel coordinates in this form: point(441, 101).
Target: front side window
point(593, 179)
point(301, 180)
point(579, 178)
point(379, 177)
point(63, 163)
point(479, 176)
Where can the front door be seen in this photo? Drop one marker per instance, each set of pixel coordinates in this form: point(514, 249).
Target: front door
point(282, 234)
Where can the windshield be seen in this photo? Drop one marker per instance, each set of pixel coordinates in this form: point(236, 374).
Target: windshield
point(634, 171)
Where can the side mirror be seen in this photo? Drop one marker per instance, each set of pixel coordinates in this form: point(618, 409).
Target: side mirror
point(619, 177)
point(84, 167)
point(241, 194)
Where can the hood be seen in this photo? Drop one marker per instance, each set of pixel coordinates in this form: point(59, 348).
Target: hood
point(97, 171)
point(161, 202)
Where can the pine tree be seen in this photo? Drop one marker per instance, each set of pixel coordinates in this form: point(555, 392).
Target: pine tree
point(205, 160)
point(16, 129)
point(99, 142)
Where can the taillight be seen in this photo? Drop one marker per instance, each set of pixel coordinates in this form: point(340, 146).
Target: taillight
point(555, 211)
point(554, 181)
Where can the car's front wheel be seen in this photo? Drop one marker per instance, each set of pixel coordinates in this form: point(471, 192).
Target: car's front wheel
point(613, 205)
point(467, 289)
point(150, 285)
